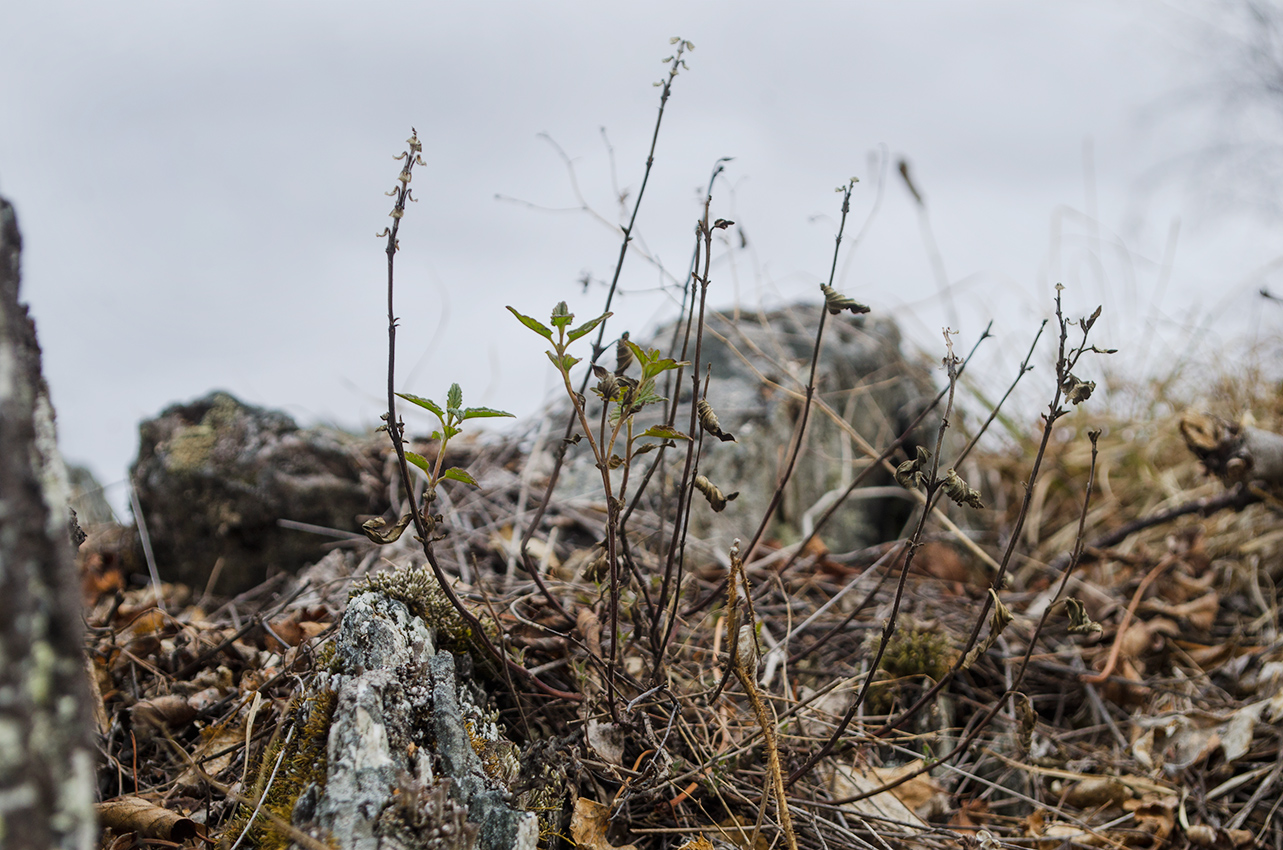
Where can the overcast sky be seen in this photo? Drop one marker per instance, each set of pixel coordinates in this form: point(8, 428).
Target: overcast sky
point(199, 185)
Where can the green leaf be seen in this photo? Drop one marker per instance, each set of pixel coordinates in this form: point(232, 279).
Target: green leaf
point(561, 315)
point(639, 353)
point(658, 367)
point(564, 362)
point(450, 431)
point(663, 432)
point(425, 403)
point(454, 473)
point(587, 327)
point(454, 398)
point(483, 413)
point(534, 324)
point(419, 461)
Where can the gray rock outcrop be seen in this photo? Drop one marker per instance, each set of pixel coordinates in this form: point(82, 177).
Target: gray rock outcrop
point(214, 476)
point(759, 368)
point(403, 771)
point(46, 753)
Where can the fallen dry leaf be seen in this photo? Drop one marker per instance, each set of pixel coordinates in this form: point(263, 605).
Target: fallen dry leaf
point(134, 814)
point(588, 825)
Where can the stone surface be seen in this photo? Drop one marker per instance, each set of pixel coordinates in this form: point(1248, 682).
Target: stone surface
point(403, 728)
point(46, 754)
point(214, 476)
point(756, 361)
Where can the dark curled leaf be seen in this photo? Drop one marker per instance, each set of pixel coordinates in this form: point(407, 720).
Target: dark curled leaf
point(373, 529)
point(646, 448)
point(1079, 622)
point(716, 499)
point(708, 421)
point(960, 492)
point(623, 354)
point(1028, 720)
point(1091, 321)
point(607, 383)
point(534, 324)
point(835, 302)
point(1076, 389)
point(912, 473)
point(999, 619)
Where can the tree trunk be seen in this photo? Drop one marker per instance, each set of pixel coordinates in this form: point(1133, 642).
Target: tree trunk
point(46, 753)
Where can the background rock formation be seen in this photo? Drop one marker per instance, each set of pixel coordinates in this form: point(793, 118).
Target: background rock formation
point(214, 477)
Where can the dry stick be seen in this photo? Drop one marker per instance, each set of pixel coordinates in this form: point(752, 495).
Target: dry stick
point(686, 490)
point(745, 669)
point(997, 706)
point(800, 433)
point(933, 490)
point(670, 414)
point(1064, 367)
point(1237, 497)
point(396, 432)
point(560, 454)
point(1103, 675)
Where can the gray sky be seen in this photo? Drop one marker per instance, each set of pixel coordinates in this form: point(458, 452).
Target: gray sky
point(200, 184)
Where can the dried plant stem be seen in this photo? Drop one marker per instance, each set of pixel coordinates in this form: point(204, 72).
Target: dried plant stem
point(685, 490)
point(1065, 361)
point(933, 486)
point(885, 455)
point(560, 454)
point(744, 665)
point(396, 432)
point(993, 710)
point(800, 432)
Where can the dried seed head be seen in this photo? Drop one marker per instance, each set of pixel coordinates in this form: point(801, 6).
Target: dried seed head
point(835, 302)
point(913, 473)
point(708, 421)
point(716, 499)
point(960, 492)
point(623, 354)
point(1079, 622)
point(1076, 389)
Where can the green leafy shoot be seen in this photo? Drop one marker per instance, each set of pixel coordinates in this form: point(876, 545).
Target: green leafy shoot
point(454, 473)
point(561, 316)
point(587, 327)
point(425, 403)
point(451, 417)
point(420, 461)
point(653, 362)
point(534, 324)
point(663, 432)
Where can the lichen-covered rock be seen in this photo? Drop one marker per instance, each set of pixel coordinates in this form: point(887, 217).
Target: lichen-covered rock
point(214, 476)
point(413, 760)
